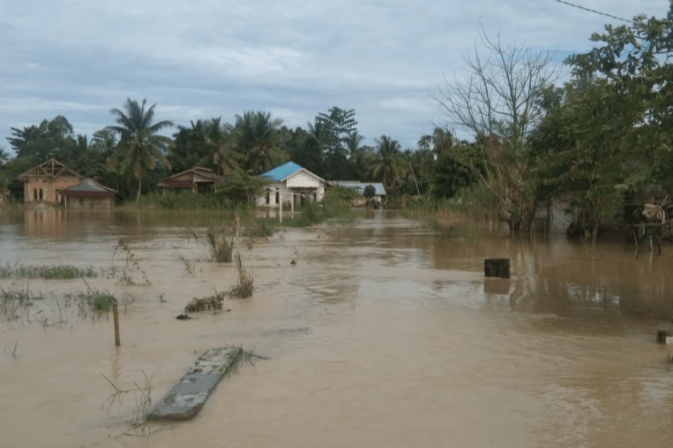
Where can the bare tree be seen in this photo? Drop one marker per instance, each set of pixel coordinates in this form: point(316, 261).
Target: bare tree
point(498, 101)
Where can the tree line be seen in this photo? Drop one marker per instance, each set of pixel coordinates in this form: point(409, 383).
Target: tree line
point(133, 153)
point(601, 139)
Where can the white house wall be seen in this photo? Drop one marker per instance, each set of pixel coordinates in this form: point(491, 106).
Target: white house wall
point(303, 180)
point(299, 180)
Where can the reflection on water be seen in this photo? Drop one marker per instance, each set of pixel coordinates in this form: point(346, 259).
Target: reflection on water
point(384, 334)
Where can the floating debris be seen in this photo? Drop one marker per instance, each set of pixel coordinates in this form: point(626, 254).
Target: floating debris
point(189, 395)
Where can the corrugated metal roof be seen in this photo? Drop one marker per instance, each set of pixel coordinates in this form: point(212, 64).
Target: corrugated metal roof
point(360, 186)
point(89, 188)
point(281, 172)
point(89, 185)
point(206, 174)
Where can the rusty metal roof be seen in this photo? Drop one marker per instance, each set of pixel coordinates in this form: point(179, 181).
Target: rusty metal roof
point(89, 187)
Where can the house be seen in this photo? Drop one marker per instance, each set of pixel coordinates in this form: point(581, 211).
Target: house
point(88, 194)
point(43, 183)
point(379, 189)
point(196, 179)
point(291, 183)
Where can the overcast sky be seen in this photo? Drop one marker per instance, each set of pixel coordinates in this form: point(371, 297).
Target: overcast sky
point(200, 59)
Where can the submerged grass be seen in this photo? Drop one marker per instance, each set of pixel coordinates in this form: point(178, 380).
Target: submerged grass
point(245, 285)
point(240, 357)
point(220, 243)
point(142, 396)
point(62, 272)
point(132, 266)
point(12, 302)
point(91, 300)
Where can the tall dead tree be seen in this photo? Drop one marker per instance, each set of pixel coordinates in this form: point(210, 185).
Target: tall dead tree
point(497, 100)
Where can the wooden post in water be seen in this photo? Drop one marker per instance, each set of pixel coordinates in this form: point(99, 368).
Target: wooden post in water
point(496, 267)
point(115, 315)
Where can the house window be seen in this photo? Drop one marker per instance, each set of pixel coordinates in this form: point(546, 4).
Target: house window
point(34, 194)
point(268, 199)
point(41, 194)
point(277, 197)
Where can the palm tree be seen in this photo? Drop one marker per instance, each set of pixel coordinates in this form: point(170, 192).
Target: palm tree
point(140, 146)
point(219, 140)
point(388, 163)
point(357, 155)
point(255, 134)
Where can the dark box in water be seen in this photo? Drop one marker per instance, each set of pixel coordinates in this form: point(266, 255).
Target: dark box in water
point(496, 267)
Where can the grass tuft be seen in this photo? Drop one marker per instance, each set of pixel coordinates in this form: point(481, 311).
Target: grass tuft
point(245, 282)
point(142, 395)
point(213, 302)
point(12, 302)
point(64, 272)
point(240, 357)
point(91, 300)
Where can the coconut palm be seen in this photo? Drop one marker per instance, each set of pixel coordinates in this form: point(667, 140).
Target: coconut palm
point(220, 142)
point(140, 146)
point(388, 165)
point(255, 135)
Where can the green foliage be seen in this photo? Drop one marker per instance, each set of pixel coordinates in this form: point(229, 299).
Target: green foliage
point(607, 134)
point(303, 149)
point(369, 191)
point(454, 170)
point(343, 194)
point(245, 285)
point(183, 200)
point(189, 148)
point(388, 164)
point(220, 243)
point(46, 272)
point(12, 302)
point(140, 145)
point(256, 136)
point(241, 187)
point(94, 299)
point(334, 142)
point(51, 138)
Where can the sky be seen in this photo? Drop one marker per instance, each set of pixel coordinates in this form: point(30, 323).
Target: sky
point(386, 59)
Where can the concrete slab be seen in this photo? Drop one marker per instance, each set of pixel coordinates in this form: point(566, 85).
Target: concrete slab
point(188, 396)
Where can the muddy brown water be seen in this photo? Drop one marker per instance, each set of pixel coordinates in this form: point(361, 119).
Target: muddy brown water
point(382, 335)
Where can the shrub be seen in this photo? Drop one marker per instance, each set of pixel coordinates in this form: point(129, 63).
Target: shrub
point(369, 191)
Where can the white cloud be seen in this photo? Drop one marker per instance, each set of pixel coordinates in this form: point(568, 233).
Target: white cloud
point(208, 58)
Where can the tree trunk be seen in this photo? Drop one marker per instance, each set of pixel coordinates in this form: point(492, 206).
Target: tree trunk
point(140, 185)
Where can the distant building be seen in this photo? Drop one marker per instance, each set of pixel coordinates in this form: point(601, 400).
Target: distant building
point(196, 179)
point(291, 183)
point(379, 189)
point(43, 183)
point(88, 194)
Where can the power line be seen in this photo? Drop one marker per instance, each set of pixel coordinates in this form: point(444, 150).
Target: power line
point(594, 11)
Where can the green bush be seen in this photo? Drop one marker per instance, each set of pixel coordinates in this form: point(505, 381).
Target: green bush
point(185, 200)
point(369, 191)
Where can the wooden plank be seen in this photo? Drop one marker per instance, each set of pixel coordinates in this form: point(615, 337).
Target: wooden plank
point(189, 395)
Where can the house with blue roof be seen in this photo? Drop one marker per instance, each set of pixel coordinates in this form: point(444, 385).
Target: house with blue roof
point(291, 184)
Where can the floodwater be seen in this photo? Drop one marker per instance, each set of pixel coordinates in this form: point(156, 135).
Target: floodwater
point(381, 335)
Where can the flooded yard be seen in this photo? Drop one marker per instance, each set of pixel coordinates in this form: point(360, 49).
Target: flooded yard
point(383, 334)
